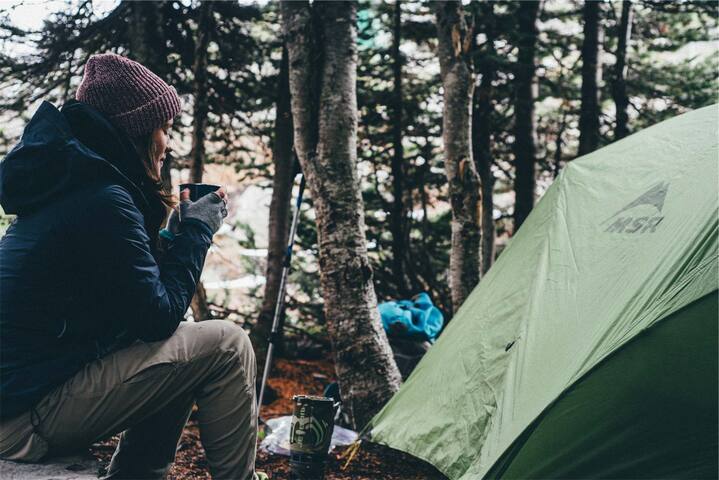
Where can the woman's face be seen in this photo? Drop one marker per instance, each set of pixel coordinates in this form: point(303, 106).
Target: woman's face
point(160, 139)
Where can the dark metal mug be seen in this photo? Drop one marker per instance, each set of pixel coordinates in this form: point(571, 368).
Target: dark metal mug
point(198, 190)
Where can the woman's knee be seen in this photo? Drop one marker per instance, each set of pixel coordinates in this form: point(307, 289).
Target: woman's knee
point(236, 339)
point(233, 340)
point(217, 336)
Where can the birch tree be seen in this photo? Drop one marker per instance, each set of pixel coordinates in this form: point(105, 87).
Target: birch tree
point(321, 42)
point(455, 44)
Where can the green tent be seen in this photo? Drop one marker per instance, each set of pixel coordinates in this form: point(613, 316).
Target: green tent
point(590, 347)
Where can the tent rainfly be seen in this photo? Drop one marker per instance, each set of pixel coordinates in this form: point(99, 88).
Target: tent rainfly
point(590, 347)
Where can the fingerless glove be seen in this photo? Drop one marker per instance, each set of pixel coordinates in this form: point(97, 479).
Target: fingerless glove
point(210, 210)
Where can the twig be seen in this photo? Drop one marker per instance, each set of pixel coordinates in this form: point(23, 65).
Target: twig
point(322, 341)
point(249, 323)
point(350, 454)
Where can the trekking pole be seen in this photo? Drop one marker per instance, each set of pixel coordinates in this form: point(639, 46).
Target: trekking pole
point(279, 305)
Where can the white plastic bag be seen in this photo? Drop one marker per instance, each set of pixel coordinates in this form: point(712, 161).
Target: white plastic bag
point(278, 441)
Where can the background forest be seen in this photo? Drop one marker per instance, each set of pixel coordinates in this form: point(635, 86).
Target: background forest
point(545, 81)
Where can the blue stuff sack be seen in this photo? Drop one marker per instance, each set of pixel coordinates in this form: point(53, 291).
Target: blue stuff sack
point(412, 318)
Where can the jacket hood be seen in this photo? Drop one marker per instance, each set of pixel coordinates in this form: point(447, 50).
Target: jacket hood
point(51, 160)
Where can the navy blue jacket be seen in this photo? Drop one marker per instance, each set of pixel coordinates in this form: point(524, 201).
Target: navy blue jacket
point(81, 273)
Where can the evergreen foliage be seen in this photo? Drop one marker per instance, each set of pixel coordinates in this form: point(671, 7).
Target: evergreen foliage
point(671, 68)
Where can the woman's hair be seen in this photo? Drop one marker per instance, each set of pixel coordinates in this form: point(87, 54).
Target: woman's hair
point(145, 148)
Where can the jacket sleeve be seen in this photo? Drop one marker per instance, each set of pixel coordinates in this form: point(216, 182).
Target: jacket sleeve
point(152, 298)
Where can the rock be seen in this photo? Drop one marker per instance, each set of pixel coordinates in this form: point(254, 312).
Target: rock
point(75, 467)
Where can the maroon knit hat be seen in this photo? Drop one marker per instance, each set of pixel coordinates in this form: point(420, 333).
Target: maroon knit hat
point(130, 95)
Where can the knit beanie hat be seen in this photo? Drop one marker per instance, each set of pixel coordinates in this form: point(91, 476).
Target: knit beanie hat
point(128, 94)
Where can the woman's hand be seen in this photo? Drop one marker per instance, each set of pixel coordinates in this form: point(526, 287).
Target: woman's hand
point(209, 209)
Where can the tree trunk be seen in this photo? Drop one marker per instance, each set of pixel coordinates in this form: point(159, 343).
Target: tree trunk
point(198, 304)
point(455, 44)
point(200, 309)
point(398, 223)
point(323, 62)
point(591, 75)
point(619, 87)
point(200, 107)
point(524, 122)
point(147, 46)
point(146, 36)
point(166, 173)
point(481, 134)
point(455, 40)
point(558, 146)
point(279, 225)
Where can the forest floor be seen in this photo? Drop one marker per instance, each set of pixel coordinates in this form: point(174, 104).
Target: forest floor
point(294, 377)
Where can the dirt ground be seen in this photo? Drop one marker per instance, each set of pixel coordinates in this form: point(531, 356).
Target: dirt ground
point(295, 377)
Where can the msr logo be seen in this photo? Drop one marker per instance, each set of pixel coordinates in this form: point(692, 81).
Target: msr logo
point(641, 215)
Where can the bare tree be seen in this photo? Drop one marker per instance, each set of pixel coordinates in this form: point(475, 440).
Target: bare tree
point(200, 106)
point(619, 84)
point(321, 42)
point(485, 64)
point(525, 129)
point(146, 36)
point(591, 75)
point(398, 218)
point(147, 46)
point(200, 309)
point(456, 67)
point(279, 225)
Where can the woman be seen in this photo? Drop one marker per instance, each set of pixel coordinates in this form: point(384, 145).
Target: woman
point(92, 297)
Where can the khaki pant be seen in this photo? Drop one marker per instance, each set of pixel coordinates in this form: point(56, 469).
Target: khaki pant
point(146, 391)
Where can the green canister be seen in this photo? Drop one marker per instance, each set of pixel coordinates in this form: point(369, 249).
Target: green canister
point(310, 436)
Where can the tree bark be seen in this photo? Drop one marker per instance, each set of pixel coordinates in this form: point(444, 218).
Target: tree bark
point(482, 133)
point(321, 42)
point(279, 224)
point(200, 309)
point(591, 75)
point(146, 36)
point(455, 61)
point(398, 223)
point(200, 107)
point(147, 46)
point(524, 121)
point(198, 304)
point(558, 146)
point(619, 87)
